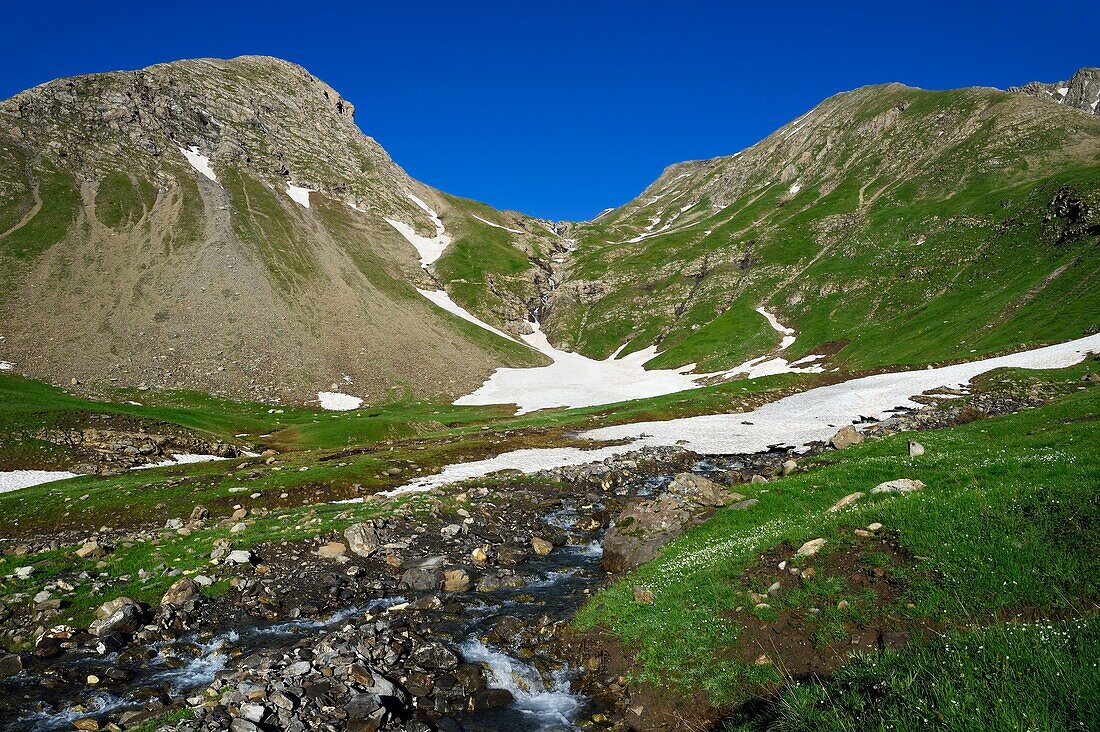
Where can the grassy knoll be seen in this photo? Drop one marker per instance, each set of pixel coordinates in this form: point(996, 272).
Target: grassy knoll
point(1007, 524)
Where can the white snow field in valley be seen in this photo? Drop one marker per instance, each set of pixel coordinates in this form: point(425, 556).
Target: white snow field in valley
point(430, 248)
point(574, 380)
point(815, 414)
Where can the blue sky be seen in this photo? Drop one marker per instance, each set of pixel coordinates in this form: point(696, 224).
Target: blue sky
point(561, 109)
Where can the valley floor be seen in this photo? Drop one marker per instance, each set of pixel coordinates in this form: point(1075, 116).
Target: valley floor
point(809, 602)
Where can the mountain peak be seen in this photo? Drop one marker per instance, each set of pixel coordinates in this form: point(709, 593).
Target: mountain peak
point(1082, 91)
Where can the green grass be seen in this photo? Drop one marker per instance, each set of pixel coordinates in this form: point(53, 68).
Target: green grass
point(159, 723)
point(1009, 520)
point(60, 202)
point(122, 201)
point(1041, 677)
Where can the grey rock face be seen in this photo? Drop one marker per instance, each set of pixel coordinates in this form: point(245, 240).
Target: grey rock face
point(1081, 92)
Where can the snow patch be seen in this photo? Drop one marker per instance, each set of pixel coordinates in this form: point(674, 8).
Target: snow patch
point(183, 458)
point(795, 188)
point(441, 299)
point(336, 402)
point(199, 162)
point(490, 223)
point(574, 380)
point(5, 366)
point(13, 480)
point(299, 194)
point(429, 248)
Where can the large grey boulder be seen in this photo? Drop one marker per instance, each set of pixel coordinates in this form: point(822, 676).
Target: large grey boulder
point(366, 537)
point(122, 616)
point(846, 437)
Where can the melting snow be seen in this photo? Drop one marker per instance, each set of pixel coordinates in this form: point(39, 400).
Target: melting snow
point(199, 162)
point(299, 194)
point(788, 333)
point(795, 188)
point(5, 366)
point(429, 248)
point(13, 480)
point(443, 300)
point(573, 380)
point(815, 414)
point(337, 402)
point(184, 458)
point(490, 223)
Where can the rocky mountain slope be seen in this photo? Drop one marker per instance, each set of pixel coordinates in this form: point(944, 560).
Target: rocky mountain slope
point(1081, 92)
point(225, 226)
point(888, 226)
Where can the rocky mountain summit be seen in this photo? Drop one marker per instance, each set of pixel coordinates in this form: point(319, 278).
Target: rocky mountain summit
point(225, 225)
point(1080, 92)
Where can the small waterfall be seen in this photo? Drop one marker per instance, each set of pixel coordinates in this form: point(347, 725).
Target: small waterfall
point(548, 703)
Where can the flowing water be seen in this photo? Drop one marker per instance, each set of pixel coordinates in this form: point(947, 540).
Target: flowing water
point(55, 696)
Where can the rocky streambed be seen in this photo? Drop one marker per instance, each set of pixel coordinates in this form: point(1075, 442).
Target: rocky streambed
point(448, 616)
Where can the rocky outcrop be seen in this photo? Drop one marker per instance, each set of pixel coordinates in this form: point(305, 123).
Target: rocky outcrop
point(1080, 92)
point(109, 451)
point(645, 526)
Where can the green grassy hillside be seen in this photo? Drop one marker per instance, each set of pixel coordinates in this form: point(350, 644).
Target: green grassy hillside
point(889, 225)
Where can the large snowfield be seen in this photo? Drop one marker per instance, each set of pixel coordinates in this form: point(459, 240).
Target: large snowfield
point(815, 414)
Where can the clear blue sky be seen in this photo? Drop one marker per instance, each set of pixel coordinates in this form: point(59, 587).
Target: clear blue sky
point(561, 109)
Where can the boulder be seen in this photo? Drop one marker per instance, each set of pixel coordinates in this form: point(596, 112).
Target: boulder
point(239, 556)
point(848, 500)
point(901, 485)
point(490, 699)
point(789, 467)
point(10, 665)
point(91, 550)
point(846, 437)
point(180, 592)
point(423, 578)
point(366, 537)
point(811, 547)
point(701, 491)
point(456, 580)
point(124, 620)
point(642, 529)
point(332, 550)
point(434, 656)
point(111, 606)
point(365, 713)
point(541, 546)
